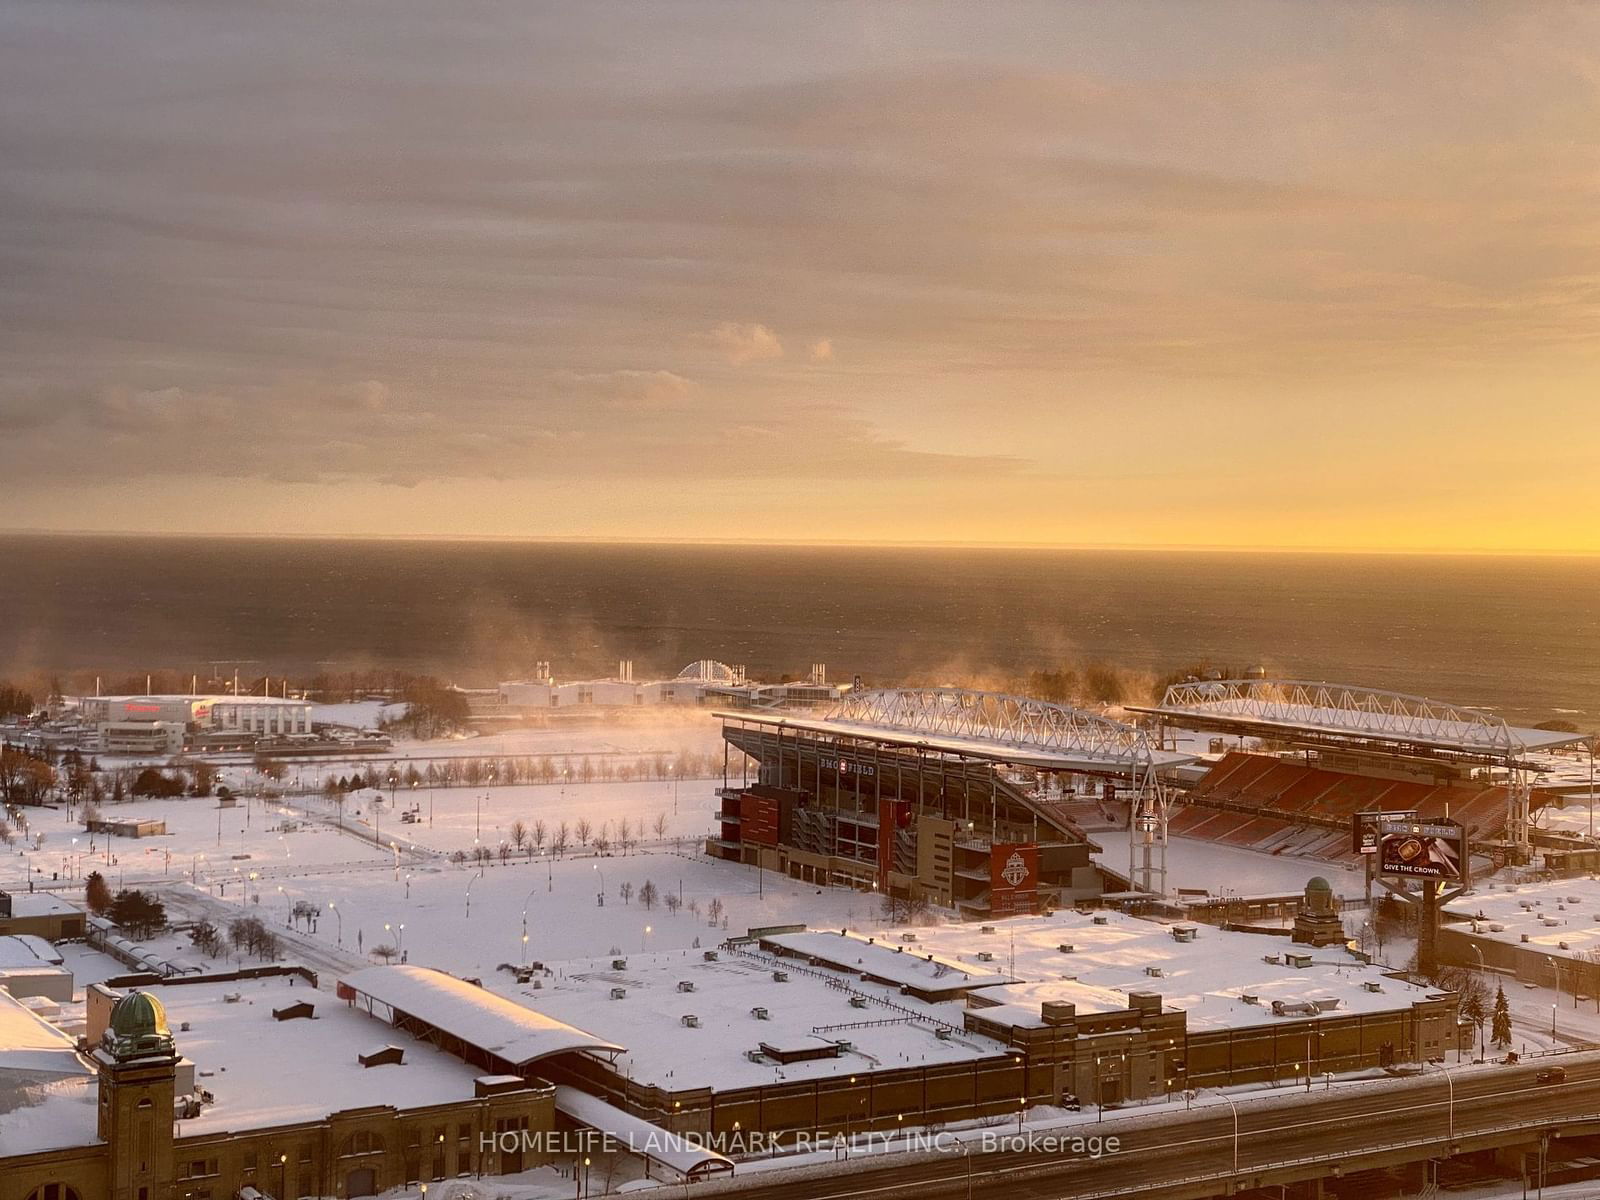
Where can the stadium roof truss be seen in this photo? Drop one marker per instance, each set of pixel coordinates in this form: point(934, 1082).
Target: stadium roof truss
point(1349, 715)
point(990, 725)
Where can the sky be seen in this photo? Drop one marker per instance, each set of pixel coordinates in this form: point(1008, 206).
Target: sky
point(1234, 274)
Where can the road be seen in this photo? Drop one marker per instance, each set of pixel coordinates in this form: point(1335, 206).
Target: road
point(1157, 1150)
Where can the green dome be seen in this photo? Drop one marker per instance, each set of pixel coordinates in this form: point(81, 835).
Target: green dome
point(1318, 884)
point(138, 1027)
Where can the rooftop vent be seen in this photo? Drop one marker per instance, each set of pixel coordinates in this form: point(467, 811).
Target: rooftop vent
point(690, 1021)
point(619, 964)
point(1549, 922)
point(1154, 972)
point(231, 997)
point(858, 1001)
point(619, 993)
point(1526, 938)
point(1372, 985)
point(686, 985)
point(1065, 947)
point(1574, 899)
point(1249, 998)
point(298, 1011)
point(1326, 1003)
point(1564, 946)
point(985, 956)
point(1275, 960)
point(780, 977)
point(1100, 920)
point(986, 929)
point(1496, 927)
point(908, 937)
point(754, 1056)
point(942, 1033)
point(1285, 1008)
point(760, 1013)
point(1298, 961)
point(384, 1056)
point(1183, 933)
point(709, 956)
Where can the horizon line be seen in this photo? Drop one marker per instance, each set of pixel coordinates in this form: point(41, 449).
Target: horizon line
point(818, 543)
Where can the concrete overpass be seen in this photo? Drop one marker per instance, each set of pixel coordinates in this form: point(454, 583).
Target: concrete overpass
point(1293, 1141)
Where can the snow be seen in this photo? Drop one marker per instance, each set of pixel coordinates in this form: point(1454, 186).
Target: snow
point(640, 1137)
point(1572, 905)
point(807, 1011)
point(1112, 955)
point(466, 1011)
point(357, 714)
point(33, 1049)
point(264, 1072)
point(903, 963)
point(1236, 870)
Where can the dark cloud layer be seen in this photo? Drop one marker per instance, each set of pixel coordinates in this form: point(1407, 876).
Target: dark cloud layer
point(855, 246)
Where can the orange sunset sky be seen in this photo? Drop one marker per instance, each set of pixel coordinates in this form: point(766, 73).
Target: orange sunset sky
point(1244, 274)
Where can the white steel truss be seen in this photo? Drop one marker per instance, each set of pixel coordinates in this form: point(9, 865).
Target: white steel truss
point(1339, 709)
point(1016, 721)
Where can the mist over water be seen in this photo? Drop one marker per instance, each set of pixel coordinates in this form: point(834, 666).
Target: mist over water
point(1521, 635)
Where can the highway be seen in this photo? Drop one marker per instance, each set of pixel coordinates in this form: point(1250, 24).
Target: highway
point(1157, 1152)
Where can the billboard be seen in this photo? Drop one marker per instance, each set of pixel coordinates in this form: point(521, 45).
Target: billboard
point(1367, 828)
point(1013, 878)
point(1422, 849)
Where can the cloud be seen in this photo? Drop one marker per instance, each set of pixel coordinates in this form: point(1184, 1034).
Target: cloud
point(741, 344)
point(468, 242)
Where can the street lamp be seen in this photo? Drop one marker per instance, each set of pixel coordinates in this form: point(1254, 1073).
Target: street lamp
point(339, 916)
point(1235, 1109)
point(1556, 968)
point(470, 882)
point(526, 901)
point(1451, 1084)
point(600, 898)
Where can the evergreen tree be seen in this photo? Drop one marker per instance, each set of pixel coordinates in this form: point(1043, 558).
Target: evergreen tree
point(1501, 1029)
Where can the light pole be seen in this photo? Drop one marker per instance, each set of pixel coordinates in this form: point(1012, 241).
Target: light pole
point(1235, 1109)
point(526, 901)
point(1556, 968)
point(600, 898)
point(643, 937)
point(339, 916)
point(470, 882)
point(1450, 1084)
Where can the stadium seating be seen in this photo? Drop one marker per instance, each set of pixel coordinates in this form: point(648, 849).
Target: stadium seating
point(1280, 806)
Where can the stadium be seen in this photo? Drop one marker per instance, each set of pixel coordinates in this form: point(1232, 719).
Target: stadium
point(938, 795)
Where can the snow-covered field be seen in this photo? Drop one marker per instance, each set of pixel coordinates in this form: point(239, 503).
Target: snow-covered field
point(468, 920)
point(1233, 870)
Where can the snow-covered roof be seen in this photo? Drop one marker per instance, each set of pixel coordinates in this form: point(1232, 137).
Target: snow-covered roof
point(33, 1049)
point(641, 1137)
point(738, 1007)
point(266, 1072)
point(1290, 708)
point(1550, 914)
point(27, 950)
point(1112, 955)
point(464, 1010)
point(891, 959)
point(40, 904)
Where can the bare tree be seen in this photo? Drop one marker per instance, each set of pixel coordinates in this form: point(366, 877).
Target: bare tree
point(648, 895)
point(584, 830)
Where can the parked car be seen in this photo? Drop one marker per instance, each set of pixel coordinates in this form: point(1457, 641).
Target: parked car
point(1551, 1075)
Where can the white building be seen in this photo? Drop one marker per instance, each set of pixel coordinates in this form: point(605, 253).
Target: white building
point(166, 724)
